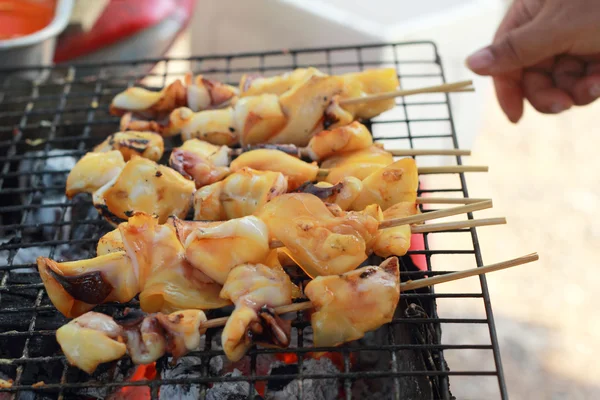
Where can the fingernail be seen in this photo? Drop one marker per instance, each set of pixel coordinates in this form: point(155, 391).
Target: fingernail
point(481, 59)
point(595, 90)
point(558, 108)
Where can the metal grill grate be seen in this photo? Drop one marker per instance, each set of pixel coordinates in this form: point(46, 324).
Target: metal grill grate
point(52, 116)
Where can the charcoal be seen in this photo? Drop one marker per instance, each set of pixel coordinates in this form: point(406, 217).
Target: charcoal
point(46, 192)
point(237, 390)
point(312, 389)
point(185, 367)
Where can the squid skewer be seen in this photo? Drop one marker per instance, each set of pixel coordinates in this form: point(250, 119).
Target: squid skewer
point(309, 105)
point(95, 338)
point(343, 139)
point(197, 94)
point(161, 262)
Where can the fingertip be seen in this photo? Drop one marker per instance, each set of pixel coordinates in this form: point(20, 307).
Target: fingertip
point(539, 90)
point(510, 97)
point(481, 61)
point(587, 90)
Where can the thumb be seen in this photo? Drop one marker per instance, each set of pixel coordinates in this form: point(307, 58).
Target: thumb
point(519, 48)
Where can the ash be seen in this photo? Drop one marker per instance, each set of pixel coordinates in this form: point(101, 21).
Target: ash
point(185, 367)
point(46, 193)
point(312, 389)
point(238, 390)
point(48, 189)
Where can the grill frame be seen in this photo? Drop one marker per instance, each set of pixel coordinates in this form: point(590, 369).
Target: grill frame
point(53, 126)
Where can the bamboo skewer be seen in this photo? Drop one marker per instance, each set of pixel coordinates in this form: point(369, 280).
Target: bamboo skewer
point(413, 219)
point(445, 169)
point(446, 226)
point(453, 276)
point(448, 200)
point(445, 88)
point(304, 151)
point(429, 152)
point(430, 228)
point(452, 169)
point(404, 286)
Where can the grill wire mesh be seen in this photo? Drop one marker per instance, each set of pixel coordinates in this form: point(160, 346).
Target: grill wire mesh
point(52, 116)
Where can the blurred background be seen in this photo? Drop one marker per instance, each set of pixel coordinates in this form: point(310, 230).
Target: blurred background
point(544, 173)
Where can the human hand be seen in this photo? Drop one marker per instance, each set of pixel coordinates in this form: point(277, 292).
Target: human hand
point(545, 51)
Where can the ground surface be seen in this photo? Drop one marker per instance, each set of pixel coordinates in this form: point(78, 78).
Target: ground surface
point(545, 178)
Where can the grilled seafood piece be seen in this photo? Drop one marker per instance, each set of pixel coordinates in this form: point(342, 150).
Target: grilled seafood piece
point(90, 340)
point(140, 256)
point(323, 240)
point(255, 289)
point(296, 170)
point(93, 171)
point(217, 247)
point(395, 241)
point(143, 185)
point(343, 139)
point(342, 193)
point(149, 145)
point(95, 338)
point(310, 105)
point(239, 195)
point(395, 183)
point(349, 305)
point(200, 161)
point(356, 84)
point(359, 163)
point(198, 94)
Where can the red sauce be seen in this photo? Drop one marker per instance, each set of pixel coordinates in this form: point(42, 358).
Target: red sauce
point(23, 17)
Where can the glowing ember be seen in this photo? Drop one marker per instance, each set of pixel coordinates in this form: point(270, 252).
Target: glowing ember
point(288, 358)
point(141, 373)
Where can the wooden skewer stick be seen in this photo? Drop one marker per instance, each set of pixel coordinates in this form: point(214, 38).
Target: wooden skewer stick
point(448, 200)
point(453, 276)
point(446, 226)
point(414, 219)
point(429, 228)
point(445, 88)
point(429, 152)
point(304, 151)
point(445, 169)
point(404, 286)
point(452, 169)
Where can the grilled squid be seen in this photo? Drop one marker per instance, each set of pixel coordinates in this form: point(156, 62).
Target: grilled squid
point(340, 140)
point(256, 289)
point(201, 161)
point(142, 185)
point(76, 287)
point(395, 241)
point(90, 340)
point(166, 279)
point(349, 305)
point(359, 163)
point(217, 247)
point(395, 183)
point(342, 193)
point(95, 338)
point(252, 85)
point(239, 195)
point(322, 240)
point(356, 84)
point(309, 103)
point(198, 94)
point(296, 170)
point(93, 171)
point(149, 145)
point(140, 256)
